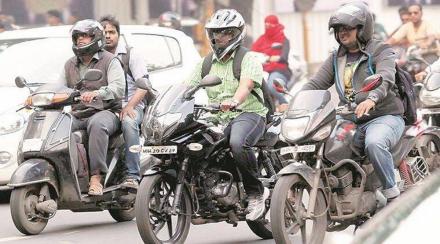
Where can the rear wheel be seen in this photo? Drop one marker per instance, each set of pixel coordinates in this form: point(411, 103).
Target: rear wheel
point(153, 206)
point(23, 210)
point(289, 208)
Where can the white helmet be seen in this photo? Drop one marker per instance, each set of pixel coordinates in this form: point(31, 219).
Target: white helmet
point(228, 21)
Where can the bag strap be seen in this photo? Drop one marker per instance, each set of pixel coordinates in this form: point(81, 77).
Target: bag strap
point(236, 67)
point(125, 60)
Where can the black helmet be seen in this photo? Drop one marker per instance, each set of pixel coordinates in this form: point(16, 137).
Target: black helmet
point(170, 19)
point(93, 29)
point(228, 20)
point(356, 15)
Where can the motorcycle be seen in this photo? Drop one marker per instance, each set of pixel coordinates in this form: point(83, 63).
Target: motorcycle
point(53, 171)
point(429, 110)
point(330, 184)
point(427, 56)
point(196, 180)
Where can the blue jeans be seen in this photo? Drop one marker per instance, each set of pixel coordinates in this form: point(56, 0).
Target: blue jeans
point(379, 136)
point(278, 96)
point(130, 130)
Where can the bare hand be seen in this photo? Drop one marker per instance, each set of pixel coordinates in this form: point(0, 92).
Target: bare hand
point(364, 107)
point(227, 105)
point(274, 58)
point(127, 110)
point(88, 97)
point(420, 76)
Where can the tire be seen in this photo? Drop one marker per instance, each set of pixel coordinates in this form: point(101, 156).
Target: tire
point(278, 211)
point(261, 229)
point(23, 201)
point(149, 232)
point(432, 144)
point(122, 215)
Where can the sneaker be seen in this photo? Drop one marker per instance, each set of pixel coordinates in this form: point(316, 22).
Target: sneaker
point(130, 183)
point(257, 205)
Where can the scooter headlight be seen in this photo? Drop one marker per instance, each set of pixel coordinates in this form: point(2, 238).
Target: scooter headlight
point(293, 129)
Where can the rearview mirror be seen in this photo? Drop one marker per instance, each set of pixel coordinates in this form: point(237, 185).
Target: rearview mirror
point(93, 75)
point(20, 82)
point(207, 81)
point(371, 83)
point(278, 86)
point(210, 80)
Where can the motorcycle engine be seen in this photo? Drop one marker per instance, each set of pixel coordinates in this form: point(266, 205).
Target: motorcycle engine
point(230, 199)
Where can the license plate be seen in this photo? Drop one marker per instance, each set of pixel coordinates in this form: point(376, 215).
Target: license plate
point(297, 149)
point(160, 149)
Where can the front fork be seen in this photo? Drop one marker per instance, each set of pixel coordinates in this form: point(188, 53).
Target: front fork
point(315, 184)
point(179, 186)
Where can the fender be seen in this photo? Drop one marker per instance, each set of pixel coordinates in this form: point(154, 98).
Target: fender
point(432, 130)
point(156, 169)
point(305, 171)
point(34, 171)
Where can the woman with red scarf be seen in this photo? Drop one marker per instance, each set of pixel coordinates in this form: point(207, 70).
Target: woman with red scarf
point(276, 46)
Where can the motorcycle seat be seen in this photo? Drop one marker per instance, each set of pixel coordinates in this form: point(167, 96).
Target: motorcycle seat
point(269, 139)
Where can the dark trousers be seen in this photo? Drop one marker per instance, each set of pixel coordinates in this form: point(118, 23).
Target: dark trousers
point(244, 132)
point(100, 127)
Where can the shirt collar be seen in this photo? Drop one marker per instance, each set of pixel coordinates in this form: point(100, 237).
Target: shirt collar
point(97, 56)
point(230, 57)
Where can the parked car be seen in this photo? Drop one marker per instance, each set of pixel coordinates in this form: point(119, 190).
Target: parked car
point(39, 54)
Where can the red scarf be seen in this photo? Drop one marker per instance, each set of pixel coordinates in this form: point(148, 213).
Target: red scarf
point(273, 34)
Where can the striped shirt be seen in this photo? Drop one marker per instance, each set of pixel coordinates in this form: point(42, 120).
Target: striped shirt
point(250, 69)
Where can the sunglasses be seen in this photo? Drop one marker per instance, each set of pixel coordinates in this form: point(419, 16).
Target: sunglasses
point(223, 32)
point(344, 28)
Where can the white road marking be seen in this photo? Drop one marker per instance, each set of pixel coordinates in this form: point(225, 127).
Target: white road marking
point(14, 238)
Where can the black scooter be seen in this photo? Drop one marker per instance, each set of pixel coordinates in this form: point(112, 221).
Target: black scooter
point(53, 172)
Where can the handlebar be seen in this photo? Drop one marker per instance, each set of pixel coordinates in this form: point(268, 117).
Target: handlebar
point(214, 108)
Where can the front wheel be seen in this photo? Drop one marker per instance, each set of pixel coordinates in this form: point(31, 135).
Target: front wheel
point(153, 206)
point(429, 147)
point(23, 210)
point(289, 208)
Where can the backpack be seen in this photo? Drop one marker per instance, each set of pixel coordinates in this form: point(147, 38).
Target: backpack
point(404, 83)
point(266, 100)
point(405, 87)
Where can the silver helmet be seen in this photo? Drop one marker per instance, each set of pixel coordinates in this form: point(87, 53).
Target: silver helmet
point(356, 15)
point(93, 29)
point(228, 22)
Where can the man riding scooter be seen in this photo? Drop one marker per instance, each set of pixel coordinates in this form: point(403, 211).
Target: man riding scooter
point(100, 100)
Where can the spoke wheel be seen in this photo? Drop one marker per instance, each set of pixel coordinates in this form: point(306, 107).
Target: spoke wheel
point(288, 211)
point(154, 220)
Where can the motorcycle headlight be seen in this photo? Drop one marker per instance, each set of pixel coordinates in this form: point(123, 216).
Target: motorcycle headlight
point(11, 122)
point(322, 133)
point(45, 99)
point(293, 129)
point(430, 98)
point(160, 127)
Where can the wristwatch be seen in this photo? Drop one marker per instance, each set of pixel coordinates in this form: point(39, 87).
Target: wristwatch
point(373, 97)
point(235, 102)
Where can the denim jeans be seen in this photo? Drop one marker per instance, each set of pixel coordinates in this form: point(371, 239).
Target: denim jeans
point(244, 132)
point(379, 136)
point(278, 96)
point(130, 130)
